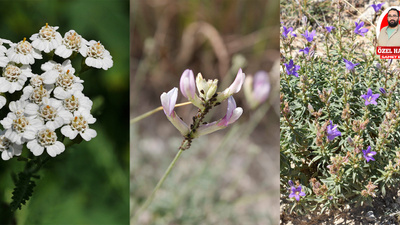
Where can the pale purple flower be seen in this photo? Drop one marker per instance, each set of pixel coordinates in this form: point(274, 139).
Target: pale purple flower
point(291, 184)
point(382, 90)
point(168, 101)
point(377, 7)
point(233, 88)
point(291, 69)
point(257, 89)
point(359, 30)
point(288, 31)
point(368, 154)
point(187, 84)
point(306, 50)
point(261, 86)
point(350, 65)
point(370, 98)
point(296, 192)
point(309, 35)
point(332, 132)
point(329, 28)
point(232, 114)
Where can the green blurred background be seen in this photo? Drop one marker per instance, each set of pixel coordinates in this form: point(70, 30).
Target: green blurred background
point(89, 182)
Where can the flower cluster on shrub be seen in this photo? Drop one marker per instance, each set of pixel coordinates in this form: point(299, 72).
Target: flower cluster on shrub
point(46, 106)
point(340, 133)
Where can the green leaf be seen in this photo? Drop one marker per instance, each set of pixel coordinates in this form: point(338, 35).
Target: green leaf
point(23, 191)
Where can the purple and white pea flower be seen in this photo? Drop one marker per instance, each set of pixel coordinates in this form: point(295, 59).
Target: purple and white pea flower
point(232, 114)
point(168, 101)
point(233, 88)
point(188, 88)
point(257, 89)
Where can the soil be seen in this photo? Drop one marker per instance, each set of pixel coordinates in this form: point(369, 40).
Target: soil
point(383, 210)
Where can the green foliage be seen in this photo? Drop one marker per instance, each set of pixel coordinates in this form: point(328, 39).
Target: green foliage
point(89, 182)
point(23, 190)
point(335, 172)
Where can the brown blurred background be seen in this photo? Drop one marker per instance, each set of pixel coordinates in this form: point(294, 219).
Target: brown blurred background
point(227, 177)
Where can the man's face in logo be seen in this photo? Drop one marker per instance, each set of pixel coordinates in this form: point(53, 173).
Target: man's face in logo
point(393, 18)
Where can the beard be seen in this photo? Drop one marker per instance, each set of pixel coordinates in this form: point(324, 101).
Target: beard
point(393, 23)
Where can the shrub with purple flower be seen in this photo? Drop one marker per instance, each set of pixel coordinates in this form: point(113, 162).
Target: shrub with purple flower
point(359, 28)
point(370, 98)
point(306, 50)
point(309, 35)
point(332, 132)
point(329, 133)
point(377, 7)
point(368, 154)
point(288, 31)
point(291, 68)
point(349, 65)
point(296, 192)
point(329, 28)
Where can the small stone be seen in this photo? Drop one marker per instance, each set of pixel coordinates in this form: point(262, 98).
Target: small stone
point(370, 216)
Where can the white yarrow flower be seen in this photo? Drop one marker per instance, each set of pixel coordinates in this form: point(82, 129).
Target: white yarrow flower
point(23, 53)
point(7, 148)
point(53, 69)
point(98, 56)
point(4, 60)
point(36, 94)
point(47, 39)
point(72, 42)
point(76, 101)
point(79, 124)
point(51, 112)
point(46, 138)
point(14, 77)
point(3, 101)
point(66, 84)
point(19, 129)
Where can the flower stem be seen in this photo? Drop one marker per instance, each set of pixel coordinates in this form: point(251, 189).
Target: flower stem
point(137, 119)
point(160, 182)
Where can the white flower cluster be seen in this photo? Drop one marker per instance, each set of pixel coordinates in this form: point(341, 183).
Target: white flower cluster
point(50, 100)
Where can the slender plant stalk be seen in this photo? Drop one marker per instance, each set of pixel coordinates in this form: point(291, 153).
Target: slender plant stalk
point(160, 182)
point(134, 120)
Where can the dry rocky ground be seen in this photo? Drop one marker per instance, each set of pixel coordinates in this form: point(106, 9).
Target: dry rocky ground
point(384, 210)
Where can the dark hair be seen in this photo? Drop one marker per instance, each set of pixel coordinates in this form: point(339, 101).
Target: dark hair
point(394, 10)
